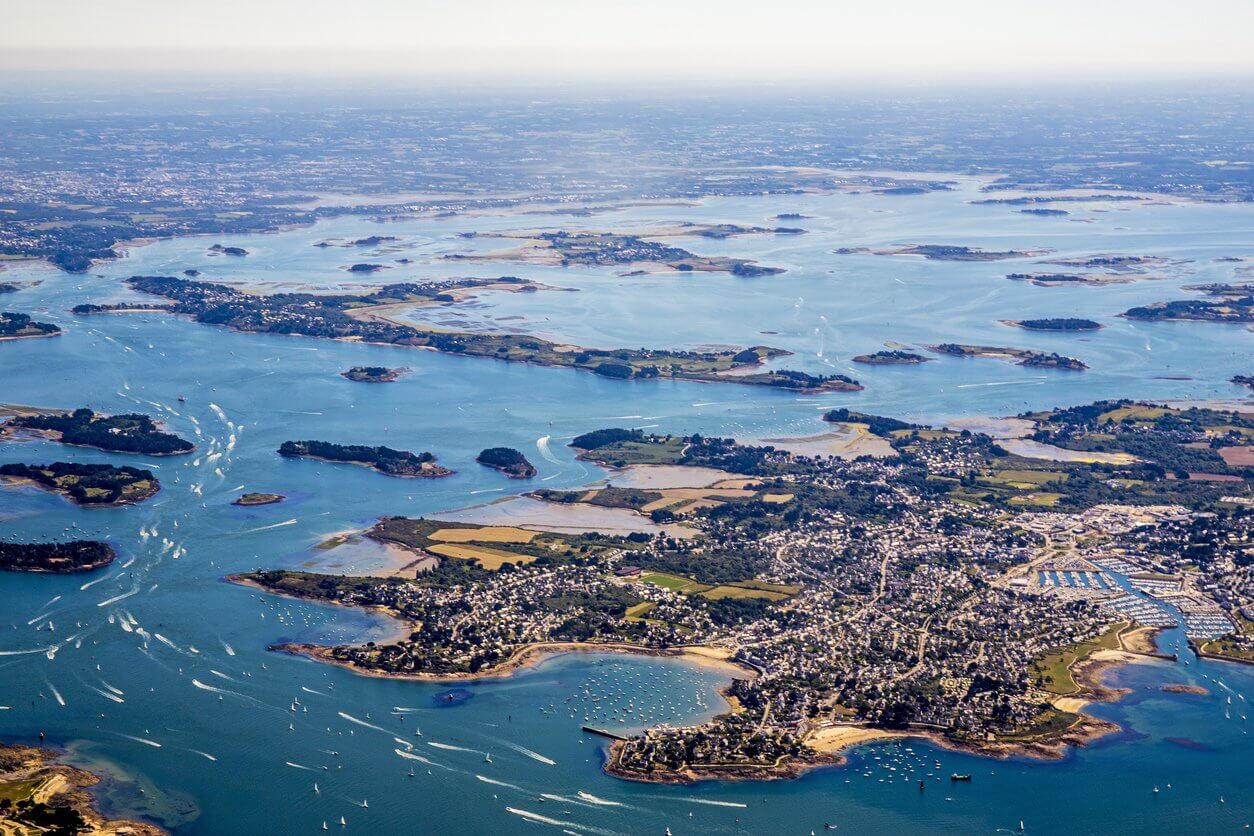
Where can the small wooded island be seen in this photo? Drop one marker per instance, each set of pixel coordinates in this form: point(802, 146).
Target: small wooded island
point(87, 484)
point(364, 268)
point(1244, 380)
point(373, 374)
point(55, 558)
point(400, 463)
point(259, 499)
point(1054, 324)
point(1021, 356)
point(891, 358)
point(944, 252)
point(507, 460)
point(220, 249)
point(128, 433)
point(1227, 303)
point(17, 326)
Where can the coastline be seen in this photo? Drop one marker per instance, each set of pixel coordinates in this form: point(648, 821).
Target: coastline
point(828, 744)
point(58, 784)
point(403, 626)
point(525, 657)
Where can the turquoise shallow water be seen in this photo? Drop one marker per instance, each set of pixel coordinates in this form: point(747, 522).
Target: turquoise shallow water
point(262, 390)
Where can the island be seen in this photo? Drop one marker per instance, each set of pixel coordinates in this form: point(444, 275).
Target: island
point(365, 268)
point(55, 558)
point(1073, 279)
point(373, 374)
point(385, 460)
point(1244, 380)
point(17, 326)
point(600, 249)
point(1021, 356)
point(127, 433)
point(944, 252)
point(1117, 263)
point(87, 484)
point(362, 318)
point(1054, 324)
point(1044, 213)
point(40, 795)
point(895, 357)
point(369, 241)
point(1182, 688)
point(222, 250)
point(507, 460)
point(258, 499)
point(6, 287)
point(951, 591)
point(1230, 303)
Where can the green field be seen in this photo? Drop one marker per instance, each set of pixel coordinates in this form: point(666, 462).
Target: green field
point(1052, 672)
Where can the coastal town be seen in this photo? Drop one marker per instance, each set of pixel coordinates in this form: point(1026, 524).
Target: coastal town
point(949, 589)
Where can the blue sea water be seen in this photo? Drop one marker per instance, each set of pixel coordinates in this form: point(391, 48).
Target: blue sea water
point(233, 756)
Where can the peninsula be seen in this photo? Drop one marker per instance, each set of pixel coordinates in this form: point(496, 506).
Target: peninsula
point(87, 484)
point(354, 317)
point(507, 460)
point(55, 558)
point(383, 459)
point(127, 433)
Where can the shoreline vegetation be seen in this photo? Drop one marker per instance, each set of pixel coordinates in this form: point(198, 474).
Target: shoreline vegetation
point(1054, 324)
point(1225, 303)
point(258, 499)
point(56, 558)
point(1020, 356)
point(524, 658)
point(86, 484)
point(17, 326)
point(125, 433)
point(46, 796)
point(348, 317)
point(385, 460)
point(373, 374)
point(894, 357)
point(508, 461)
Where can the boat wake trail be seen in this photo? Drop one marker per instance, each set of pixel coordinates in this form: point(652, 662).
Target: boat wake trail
point(350, 718)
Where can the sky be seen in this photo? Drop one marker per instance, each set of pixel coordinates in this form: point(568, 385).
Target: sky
point(627, 40)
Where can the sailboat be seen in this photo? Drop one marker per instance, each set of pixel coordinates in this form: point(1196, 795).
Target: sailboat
point(488, 758)
point(316, 787)
point(342, 822)
point(324, 825)
point(365, 803)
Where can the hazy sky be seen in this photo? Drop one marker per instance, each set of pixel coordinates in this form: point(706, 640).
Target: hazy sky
point(628, 39)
